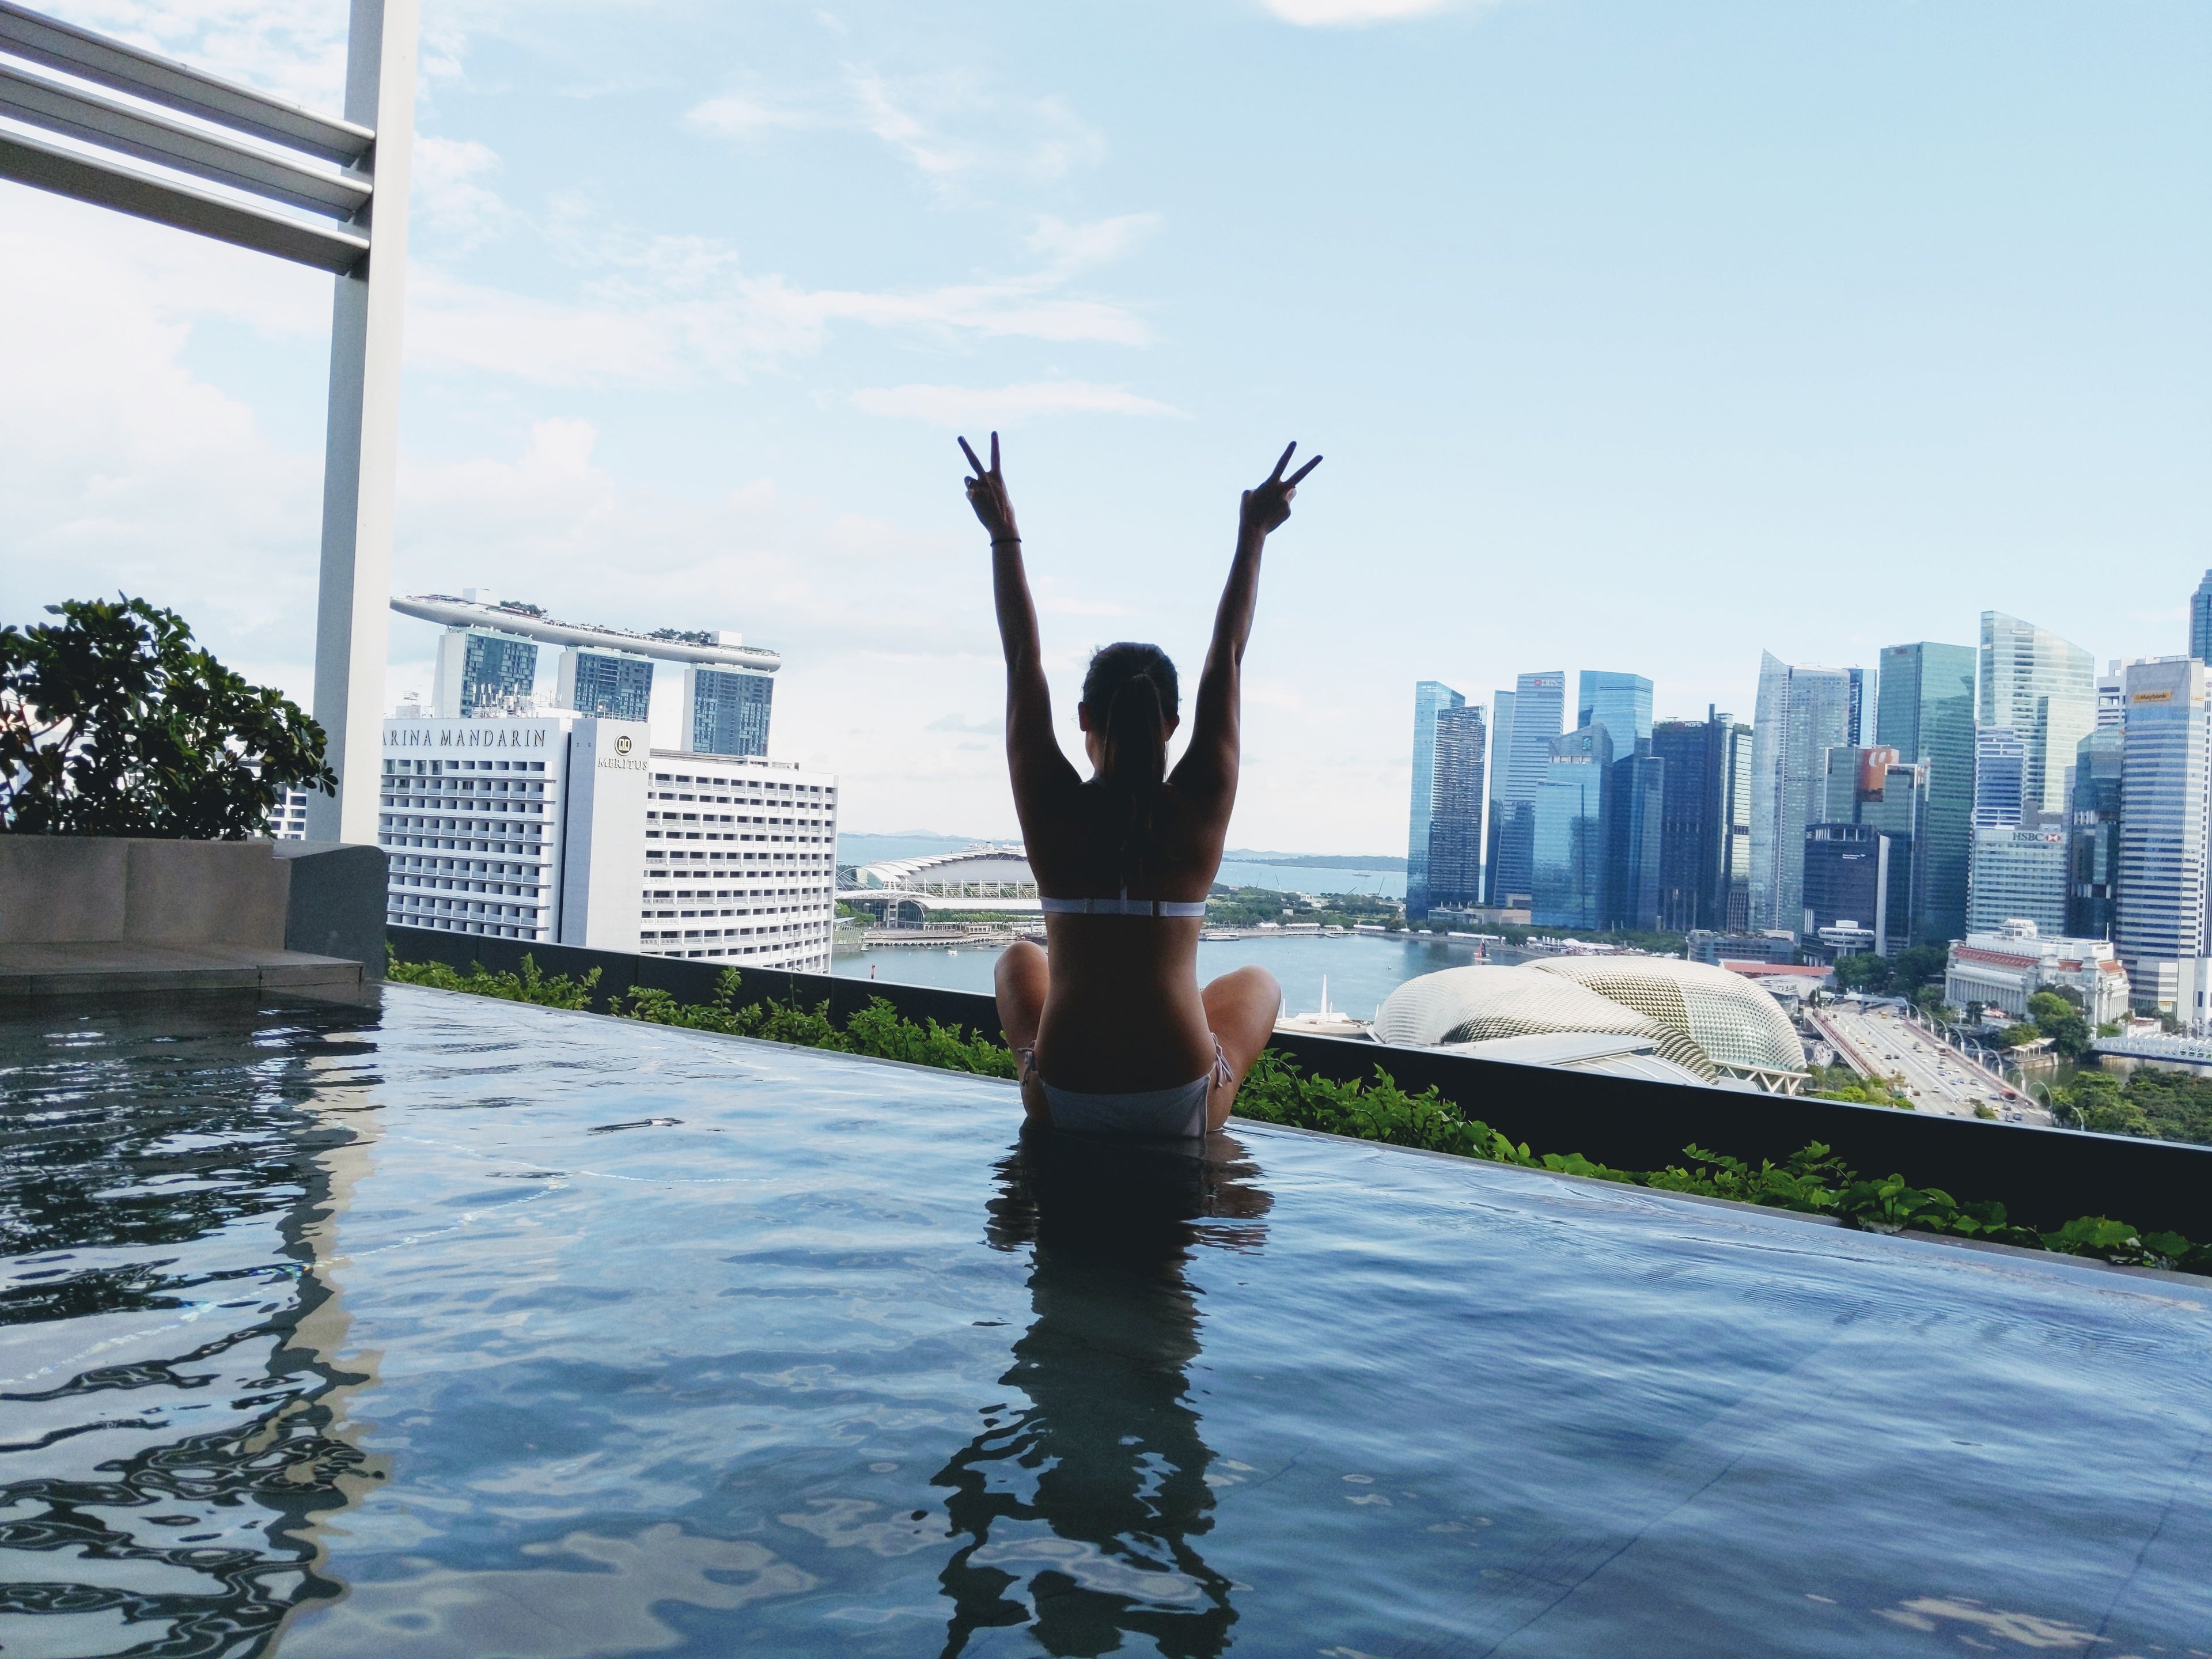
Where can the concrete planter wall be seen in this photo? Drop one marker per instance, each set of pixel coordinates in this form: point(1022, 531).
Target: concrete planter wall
point(95, 898)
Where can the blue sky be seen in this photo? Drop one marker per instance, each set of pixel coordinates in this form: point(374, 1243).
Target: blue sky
point(1637, 338)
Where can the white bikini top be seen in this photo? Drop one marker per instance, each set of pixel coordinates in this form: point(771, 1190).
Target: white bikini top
point(1124, 906)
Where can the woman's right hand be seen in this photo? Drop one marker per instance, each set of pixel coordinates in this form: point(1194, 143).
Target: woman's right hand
point(1266, 507)
point(987, 493)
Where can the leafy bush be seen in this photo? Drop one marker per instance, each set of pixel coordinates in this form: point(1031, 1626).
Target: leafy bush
point(1813, 1180)
point(529, 986)
point(113, 723)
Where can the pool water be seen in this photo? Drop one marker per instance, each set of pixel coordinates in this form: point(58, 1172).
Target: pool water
point(457, 1327)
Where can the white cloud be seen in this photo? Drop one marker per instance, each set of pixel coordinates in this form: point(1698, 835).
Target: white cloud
point(962, 405)
point(734, 117)
point(946, 126)
point(447, 191)
point(119, 468)
point(663, 309)
point(1313, 14)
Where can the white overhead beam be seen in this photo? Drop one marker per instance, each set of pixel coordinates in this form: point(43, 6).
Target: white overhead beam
point(353, 624)
point(142, 195)
point(94, 120)
point(163, 81)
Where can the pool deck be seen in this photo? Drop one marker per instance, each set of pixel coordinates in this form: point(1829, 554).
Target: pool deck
point(28, 970)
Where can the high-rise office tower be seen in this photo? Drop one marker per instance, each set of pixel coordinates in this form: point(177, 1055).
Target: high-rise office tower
point(1567, 845)
point(2000, 785)
point(1689, 811)
point(1538, 704)
point(726, 710)
point(1705, 838)
point(2043, 688)
point(2200, 620)
point(1429, 698)
point(1619, 703)
point(611, 684)
point(1803, 712)
point(1456, 810)
point(2112, 697)
point(2019, 875)
point(2165, 775)
point(1501, 747)
point(1925, 711)
point(1868, 845)
point(480, 671)
point(2092, 831)
point(1635, 840)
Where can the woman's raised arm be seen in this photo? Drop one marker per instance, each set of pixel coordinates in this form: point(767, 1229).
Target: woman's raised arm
point(1033, 754)
point(1209, 766)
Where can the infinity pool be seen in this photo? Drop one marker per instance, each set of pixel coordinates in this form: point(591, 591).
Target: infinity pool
point(456, 1328)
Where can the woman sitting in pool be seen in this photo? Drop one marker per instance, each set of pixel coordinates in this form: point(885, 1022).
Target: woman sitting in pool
point(1114, 1034)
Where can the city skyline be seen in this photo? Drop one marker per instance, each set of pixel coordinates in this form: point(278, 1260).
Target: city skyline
point(1627, 335)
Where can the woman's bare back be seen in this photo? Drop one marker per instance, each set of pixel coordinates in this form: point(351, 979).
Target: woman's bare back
point(1117, 1005)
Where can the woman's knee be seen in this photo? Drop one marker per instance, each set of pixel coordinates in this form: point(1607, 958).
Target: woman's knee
point(1020, 963)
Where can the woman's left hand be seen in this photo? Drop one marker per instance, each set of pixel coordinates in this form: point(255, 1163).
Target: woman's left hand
point(987, 493)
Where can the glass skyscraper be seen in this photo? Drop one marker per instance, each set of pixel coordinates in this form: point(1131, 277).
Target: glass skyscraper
point(1538, 705)
point(1704, 844)
point(606, 682)
point(2093, 828)
point(2000, 779)
point(2019, 875)
point(1925, 711)
point(1455, 815)
point(2200, 620)
point(729, 710)
point(1619, 703)
point(1568, 853)
point(2044, 689)
point(1803, 712)
point(1430, 697)
point(2165, 771)
point(1870, 788)
point(1501, 747)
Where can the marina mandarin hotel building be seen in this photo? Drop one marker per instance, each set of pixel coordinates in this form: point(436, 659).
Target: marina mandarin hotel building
point(568, 828)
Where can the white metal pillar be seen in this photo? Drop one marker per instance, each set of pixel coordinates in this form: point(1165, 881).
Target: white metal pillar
point(353, 625)
point(352, 170)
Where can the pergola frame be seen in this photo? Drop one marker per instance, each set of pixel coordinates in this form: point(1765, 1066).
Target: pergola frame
point(352, 172)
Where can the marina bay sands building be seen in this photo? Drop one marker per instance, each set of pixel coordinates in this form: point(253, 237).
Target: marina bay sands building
point(558, 821)
point(487, 663)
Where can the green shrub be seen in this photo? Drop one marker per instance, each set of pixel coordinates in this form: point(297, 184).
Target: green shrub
point(528, 985)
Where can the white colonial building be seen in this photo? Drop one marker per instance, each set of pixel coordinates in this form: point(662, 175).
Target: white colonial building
point(2002, 970)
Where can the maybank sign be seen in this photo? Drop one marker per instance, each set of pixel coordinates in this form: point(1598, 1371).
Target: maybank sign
point(466, 734)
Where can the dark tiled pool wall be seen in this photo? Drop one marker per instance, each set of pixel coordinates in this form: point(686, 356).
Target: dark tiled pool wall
point(2045, 1176)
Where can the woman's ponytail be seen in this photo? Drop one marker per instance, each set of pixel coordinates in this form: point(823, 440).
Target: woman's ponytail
point(1131, 692)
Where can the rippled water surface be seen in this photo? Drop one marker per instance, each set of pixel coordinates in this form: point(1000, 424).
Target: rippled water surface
point(455, 1327)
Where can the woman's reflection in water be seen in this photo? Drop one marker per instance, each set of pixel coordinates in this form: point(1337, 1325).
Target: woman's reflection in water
point(1082, 1509)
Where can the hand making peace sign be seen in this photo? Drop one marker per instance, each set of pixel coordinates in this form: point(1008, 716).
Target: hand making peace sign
point(1265, 507)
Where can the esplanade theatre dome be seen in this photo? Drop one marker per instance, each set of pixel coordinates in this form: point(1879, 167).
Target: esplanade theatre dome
point(1474, 1004)
point(1738, 1026)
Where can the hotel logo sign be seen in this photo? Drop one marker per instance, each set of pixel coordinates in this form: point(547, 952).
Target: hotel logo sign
point(464, 734)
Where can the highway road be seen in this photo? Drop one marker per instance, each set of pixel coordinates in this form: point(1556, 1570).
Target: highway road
point(1933, 1076)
